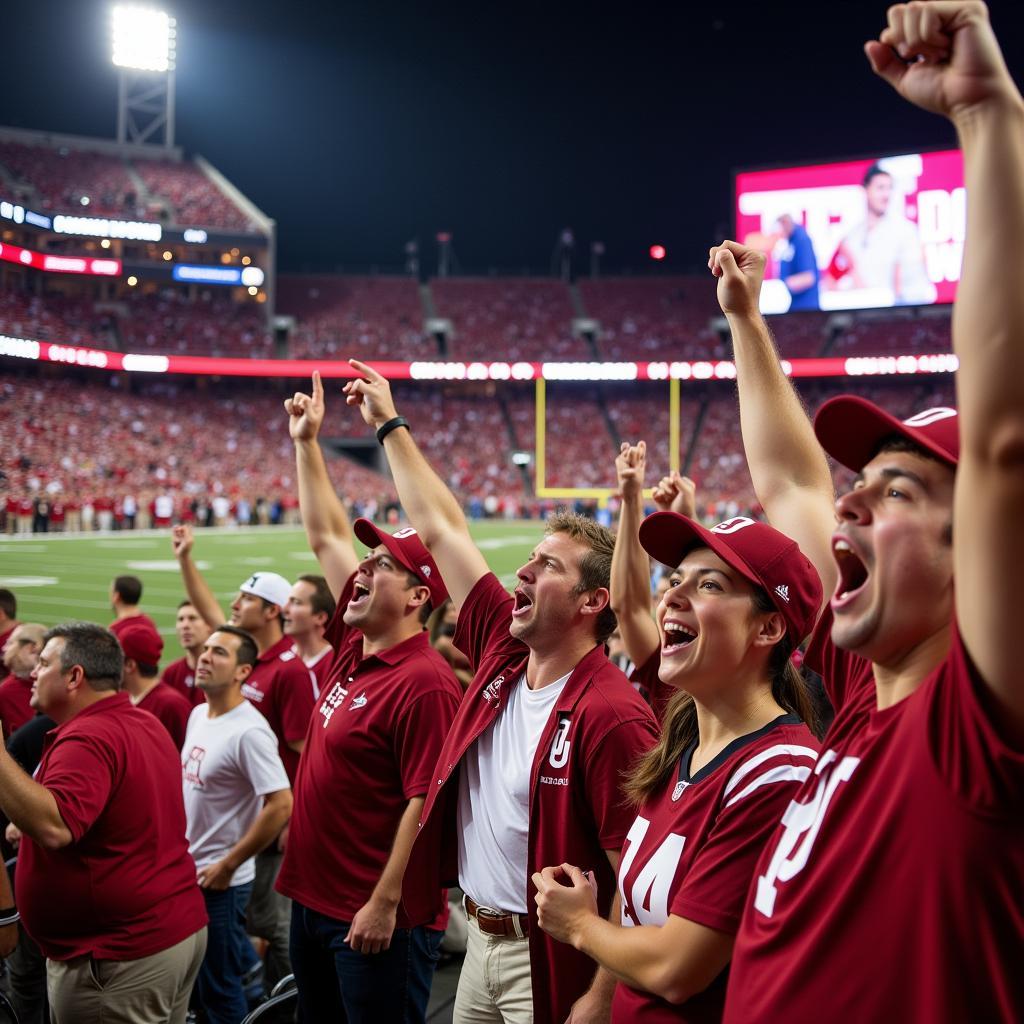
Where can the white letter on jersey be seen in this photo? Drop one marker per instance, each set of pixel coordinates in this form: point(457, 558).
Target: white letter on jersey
point(559, 747)
point(802, 822)
point(649, 899)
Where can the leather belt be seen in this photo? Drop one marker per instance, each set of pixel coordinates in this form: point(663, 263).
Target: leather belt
point(497, 922)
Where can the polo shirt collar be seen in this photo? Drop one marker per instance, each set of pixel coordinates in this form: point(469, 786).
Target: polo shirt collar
point(282, 645)
point(392, 655)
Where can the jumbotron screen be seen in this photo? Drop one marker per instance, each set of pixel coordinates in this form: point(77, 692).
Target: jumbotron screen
point(860, 234)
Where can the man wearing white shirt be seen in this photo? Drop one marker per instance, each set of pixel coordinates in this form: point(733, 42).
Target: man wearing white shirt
point(237, 800)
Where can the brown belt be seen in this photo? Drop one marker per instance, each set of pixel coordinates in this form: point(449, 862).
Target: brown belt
point(494, 922)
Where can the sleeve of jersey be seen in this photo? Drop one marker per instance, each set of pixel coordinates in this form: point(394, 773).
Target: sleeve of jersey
point(843, 674)
point(652, 689)
point(973, 754)
point(484, 619)
point(260, 761)
point(295, 685)
point(336, 632)
point(716, 886)
point(419, 737)
point(80, 775)
point(603, 774)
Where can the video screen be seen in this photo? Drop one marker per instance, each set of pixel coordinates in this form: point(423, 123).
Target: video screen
point(859, 234)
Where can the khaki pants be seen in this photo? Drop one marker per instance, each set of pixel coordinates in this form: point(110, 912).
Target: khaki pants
point(494, 986)
point(152, 990)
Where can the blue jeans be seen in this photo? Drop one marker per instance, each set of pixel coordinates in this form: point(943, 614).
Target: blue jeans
point(220, 977)
point(338, 984)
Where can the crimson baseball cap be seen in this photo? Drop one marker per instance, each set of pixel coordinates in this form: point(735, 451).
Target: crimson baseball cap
point(851, 428)
point(141, 643)
point(757, 551)
point(410, 552)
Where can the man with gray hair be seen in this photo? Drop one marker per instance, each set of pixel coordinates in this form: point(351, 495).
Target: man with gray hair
point(105, 884)
point(20, 654)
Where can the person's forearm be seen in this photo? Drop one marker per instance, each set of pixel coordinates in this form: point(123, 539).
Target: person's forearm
point(389, 886)
point(30, 806)
point(429, 504)
point(635, 956)
point(988, 317)
point(778, 439)
point(199, 593)
point(800, 282)
point(631, 584)
point(323, 514)
point(605, 981)
point(272, 818)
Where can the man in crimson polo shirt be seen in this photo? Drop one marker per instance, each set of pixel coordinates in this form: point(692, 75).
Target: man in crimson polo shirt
point(370, 754)
point(893, 887)
point(125, 595)
point(142, 648)
point(282, 689)
point(20, 654)
point(532, 767)
point(310, 608)
point(180, 675)
point(105, 884)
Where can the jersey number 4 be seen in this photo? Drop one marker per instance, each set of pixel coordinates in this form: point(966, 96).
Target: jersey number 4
point(647, 901)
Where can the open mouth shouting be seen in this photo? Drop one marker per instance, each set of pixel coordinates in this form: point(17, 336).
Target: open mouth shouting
point(523, 603)
point(677, 636)
point(360, 595)
point(853, 573)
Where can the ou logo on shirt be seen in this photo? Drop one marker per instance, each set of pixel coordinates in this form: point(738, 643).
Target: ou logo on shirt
point(802, 823)
point(559, 756)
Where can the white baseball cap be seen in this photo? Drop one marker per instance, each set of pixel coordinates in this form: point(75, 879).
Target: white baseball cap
point(268, 585)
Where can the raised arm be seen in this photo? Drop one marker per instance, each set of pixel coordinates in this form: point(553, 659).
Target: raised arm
point(787, 464)
point(956, 69)
point(630, 576)
point(196, 588)
point(323, 515)
point(430, 506)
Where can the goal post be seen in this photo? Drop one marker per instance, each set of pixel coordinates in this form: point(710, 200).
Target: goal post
point(600, 494)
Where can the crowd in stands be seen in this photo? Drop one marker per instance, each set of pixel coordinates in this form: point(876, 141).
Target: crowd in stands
point(61, 180)
point(101, 458)
point(169, 323)
point(193, 197)
point(55, 318)
point(366, 317)
point(509, 318)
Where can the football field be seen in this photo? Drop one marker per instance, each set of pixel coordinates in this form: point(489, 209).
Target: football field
point(58, 577)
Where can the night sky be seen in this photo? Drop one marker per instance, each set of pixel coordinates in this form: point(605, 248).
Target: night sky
point(361, 126)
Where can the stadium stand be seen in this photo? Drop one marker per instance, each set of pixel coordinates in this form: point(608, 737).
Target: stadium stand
point(509, 318)
point(654, 318)
point(370, 317)
point(888, 336)
point(59, 178)
point(73, 320)
point(170, 323)
point(194, 198)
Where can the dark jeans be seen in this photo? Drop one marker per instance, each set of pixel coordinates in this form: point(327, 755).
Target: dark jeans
point(337, 984)
point(220, 977)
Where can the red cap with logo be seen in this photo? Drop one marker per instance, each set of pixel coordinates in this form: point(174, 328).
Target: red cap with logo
point(758, 552)
point(141, 643)
point(851, 428)
point(409, 551)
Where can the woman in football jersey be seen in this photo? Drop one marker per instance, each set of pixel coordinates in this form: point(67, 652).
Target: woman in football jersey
point(733, 750)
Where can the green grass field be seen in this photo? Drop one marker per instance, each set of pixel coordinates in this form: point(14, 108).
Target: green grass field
point(58, 577)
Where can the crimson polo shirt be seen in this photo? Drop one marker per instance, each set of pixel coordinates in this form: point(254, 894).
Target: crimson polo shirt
point(598, 728)
point(170, 709)
point(15, 694)
point(282, 689)
point(125, 886)
point(181, 677)
point(371, 747)
point(141, 619)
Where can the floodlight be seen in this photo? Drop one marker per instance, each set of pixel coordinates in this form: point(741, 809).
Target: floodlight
point(143, 39)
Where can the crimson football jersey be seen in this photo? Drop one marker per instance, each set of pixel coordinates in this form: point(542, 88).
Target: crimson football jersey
point(893, 888)
point(693, 847)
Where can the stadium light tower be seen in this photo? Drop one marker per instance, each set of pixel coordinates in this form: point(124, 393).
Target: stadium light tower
point(143, 52)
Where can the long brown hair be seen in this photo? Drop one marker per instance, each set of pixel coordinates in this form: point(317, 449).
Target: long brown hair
point(679, 727)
